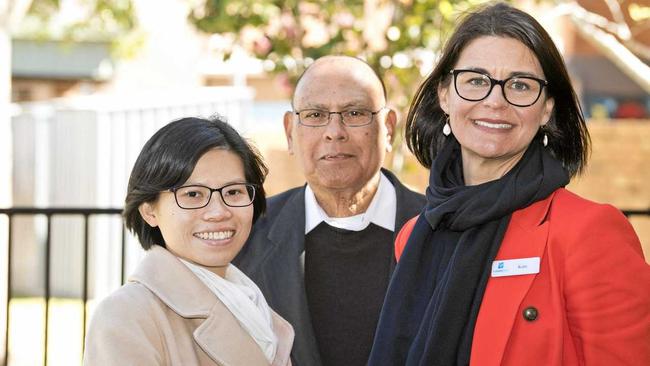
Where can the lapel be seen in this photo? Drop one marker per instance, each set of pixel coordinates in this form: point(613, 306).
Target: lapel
point(525, 237)
point(285, 334)
point(282, 234)
point(287, 236)
point(409, 205)
point(288, 228)
point(280, 256)
point(219, 335)
point(401, 215)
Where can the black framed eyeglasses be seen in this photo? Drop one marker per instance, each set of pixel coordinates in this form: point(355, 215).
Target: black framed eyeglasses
point(520, 91)
point(351, 118)
point(195, 196)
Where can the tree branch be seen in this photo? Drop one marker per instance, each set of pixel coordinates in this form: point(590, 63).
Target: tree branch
point(626, 61)
point(617, 14)
point(619, 28)
point(12, 12)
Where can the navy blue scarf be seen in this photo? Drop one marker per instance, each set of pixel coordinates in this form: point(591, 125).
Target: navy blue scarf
point(433, 299)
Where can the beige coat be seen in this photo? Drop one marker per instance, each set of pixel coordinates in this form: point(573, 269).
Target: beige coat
point(165, 315)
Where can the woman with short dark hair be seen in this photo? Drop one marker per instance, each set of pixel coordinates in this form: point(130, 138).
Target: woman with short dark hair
point(194, 192)
point(504, 266)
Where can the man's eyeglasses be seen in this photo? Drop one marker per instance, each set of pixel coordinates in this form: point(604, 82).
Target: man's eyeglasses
point(197, 196)
point(520, 91)
point(351, 118)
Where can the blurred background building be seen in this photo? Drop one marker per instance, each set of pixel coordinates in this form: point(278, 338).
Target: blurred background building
point(90, 81)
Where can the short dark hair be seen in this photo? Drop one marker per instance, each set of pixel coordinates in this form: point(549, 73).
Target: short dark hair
point(568, 138)
point(168, 159)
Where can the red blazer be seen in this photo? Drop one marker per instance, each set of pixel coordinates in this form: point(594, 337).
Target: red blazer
point(591, 295)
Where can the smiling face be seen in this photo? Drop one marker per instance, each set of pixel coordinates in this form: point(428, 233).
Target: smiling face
point(210, 236)
point(494, 134)
point(337, 157)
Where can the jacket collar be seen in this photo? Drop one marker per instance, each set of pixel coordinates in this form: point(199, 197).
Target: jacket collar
point(525, 237)
point(164, 275)
point(407, 201)
point(533, 215)
point(287, 234)
point(381, 210)
point(286, 238)
point(288, 229)
point(220, 335)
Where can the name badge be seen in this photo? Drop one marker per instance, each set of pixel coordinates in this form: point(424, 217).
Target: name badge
point(515, 267)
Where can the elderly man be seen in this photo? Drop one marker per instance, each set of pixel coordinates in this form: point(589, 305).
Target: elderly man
point(323, 253)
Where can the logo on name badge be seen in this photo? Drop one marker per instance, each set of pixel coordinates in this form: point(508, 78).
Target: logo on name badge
point(515, 267)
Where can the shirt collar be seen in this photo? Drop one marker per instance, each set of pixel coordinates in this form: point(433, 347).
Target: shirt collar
point(381, 211)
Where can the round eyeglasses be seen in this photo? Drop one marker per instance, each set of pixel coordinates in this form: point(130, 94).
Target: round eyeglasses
point(197, 196)
point(351, 118)
point(520, 91)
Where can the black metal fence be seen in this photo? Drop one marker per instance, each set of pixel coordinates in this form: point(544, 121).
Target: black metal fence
point(629, 213)
point(49, 213)
point(85, 213)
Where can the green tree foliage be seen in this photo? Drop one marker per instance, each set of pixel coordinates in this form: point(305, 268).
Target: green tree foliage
point(399, 38)
point(94, 20)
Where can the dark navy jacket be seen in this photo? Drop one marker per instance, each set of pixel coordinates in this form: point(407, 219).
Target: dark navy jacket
point(271, 258)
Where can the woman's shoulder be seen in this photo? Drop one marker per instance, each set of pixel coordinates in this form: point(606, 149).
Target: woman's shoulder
point(124, 304)
point(124, 329)
point(590, 225)
point(564, 196)
point(566, 203)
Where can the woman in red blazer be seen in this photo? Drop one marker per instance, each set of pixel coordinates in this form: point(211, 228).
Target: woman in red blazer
point(504, 266)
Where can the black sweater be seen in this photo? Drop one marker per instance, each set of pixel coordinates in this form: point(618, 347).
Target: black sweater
point(346, 276)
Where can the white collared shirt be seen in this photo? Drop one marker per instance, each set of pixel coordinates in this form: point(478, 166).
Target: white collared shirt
point(381, 211)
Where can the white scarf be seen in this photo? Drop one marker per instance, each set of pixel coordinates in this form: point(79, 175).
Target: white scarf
point(245, 301)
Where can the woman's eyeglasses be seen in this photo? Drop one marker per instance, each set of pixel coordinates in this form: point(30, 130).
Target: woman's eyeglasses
point(198, 196)
point(520, 91)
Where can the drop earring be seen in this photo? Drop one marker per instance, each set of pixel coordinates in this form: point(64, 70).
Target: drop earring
point(446, 130)
point(545, 140)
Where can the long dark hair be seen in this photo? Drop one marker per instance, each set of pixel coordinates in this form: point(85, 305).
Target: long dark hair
point(568, 139)
point(168, 159)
